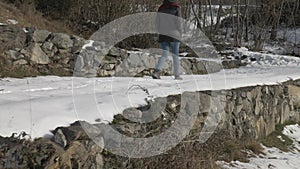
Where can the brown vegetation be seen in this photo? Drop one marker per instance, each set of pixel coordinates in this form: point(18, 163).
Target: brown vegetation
point(247, 20)
point(273, 139)
point(26, 16)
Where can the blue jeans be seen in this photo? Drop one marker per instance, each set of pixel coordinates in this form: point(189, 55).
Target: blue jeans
point(165, 46)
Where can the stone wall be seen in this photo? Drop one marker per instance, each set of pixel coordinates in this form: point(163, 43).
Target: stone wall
point(254, 111)
point(38, 49)
point(247, 114)
point(47, 52)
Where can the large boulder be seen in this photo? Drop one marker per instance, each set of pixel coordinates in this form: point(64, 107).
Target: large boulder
point(79, 150)
point(62, 41)
point(79, 154)
point(37, 55)
point(40, 36)
point(137, 62)
point(294, 95)
point(11, 36)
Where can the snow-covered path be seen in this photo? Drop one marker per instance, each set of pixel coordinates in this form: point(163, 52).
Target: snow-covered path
point(37, 105)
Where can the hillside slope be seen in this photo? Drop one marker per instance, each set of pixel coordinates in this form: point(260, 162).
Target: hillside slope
point(26, 16)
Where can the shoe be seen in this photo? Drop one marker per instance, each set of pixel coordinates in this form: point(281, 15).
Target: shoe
point(156, 74)
point(178, 78)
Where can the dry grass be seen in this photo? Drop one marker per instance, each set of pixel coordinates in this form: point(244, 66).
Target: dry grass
point(255, 147)
point(233, 150)
point(17, 72)
point(29, 17)
point(273, 141)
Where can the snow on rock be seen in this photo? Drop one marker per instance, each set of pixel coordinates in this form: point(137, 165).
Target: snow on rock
point(12, 21)
point(88, 44)
point(268, 59)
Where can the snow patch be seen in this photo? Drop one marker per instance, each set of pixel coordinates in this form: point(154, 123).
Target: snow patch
point(274, 157)
point(88, 44)
point(40, 89)
point(265, 59)
point(25, 30)
point(12, 21)
point(292, 131)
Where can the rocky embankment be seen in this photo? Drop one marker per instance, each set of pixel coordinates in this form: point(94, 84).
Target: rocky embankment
point(247, 114)
point(47, 53)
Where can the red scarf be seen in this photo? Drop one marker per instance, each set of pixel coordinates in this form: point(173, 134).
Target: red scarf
point(167, 5)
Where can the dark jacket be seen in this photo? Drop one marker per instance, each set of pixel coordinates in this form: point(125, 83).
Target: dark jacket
point(168, 26)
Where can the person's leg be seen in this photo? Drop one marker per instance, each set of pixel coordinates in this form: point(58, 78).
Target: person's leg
point(175, 53)
point(164, 56)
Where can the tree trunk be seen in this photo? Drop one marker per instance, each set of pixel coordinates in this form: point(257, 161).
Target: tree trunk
point(238, 26)
point(276, 20)
point(219, 15)
point(246, 21)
